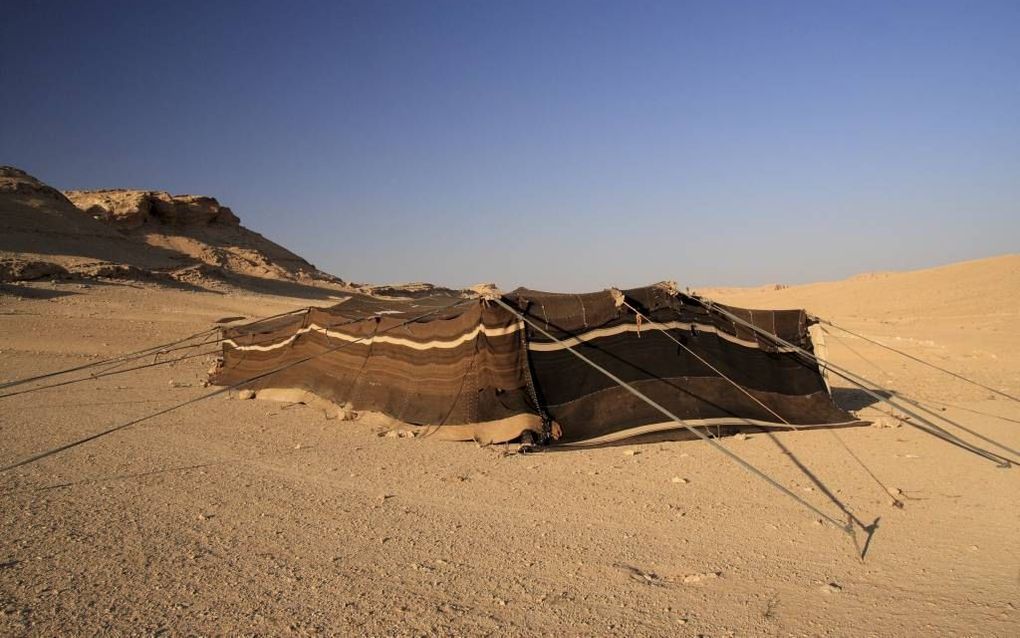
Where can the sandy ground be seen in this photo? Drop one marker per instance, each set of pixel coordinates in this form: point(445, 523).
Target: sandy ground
point(256, 518)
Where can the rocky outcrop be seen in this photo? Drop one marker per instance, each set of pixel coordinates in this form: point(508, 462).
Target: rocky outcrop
point(414, 290)
point(135, 234)
point(16, 183)
point(14, 269)
point(30, 206)
point(130, 209)
point(196, 227)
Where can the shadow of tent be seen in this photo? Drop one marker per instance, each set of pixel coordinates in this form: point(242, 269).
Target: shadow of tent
point(854, 399)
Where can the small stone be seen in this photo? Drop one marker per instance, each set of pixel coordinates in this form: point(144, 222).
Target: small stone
point(886, 422)
point(630, 452)
point(680, 480)
point(740, 436)
point(245, 394)
point(831, 588)
point(346, 412)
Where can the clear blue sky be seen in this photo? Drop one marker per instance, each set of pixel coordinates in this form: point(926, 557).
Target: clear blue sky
point(560, 145)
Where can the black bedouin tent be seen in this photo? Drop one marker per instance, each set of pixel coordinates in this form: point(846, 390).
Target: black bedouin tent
point(565, 369)
point(492, 367)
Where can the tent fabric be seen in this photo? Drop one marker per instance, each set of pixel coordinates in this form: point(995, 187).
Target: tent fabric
point(458, 366)
point(477, 371)
point(589, 405)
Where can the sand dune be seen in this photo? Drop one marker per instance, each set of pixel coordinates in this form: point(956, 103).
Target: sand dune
point(981, 288)
point(961, 316)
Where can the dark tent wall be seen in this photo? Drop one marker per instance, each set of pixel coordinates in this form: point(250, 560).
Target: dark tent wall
point(590, 406)
point(477, 371)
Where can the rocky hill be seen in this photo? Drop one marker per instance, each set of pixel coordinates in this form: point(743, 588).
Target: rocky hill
point(134, 234)
point(132, 209)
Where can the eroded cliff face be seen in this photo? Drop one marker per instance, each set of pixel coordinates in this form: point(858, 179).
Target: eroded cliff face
point(152, 235)
point(133, 234)
point(197, 227)
point(130, 209)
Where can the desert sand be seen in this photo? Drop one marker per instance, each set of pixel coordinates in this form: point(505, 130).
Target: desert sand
point(246, 517)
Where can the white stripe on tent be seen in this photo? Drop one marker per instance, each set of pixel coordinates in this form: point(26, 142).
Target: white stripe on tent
point(397, 341)
point(591, 335)
point(600, 333)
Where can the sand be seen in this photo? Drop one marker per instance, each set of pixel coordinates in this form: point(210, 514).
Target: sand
point(258, 518)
